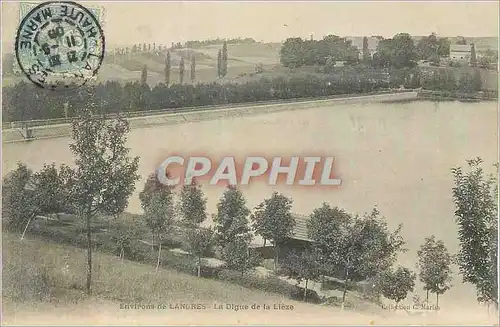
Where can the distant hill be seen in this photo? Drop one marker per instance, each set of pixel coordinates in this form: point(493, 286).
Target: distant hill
point(243, 59)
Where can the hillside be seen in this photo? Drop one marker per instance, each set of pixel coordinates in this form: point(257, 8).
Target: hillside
point(45, 278)
point(242, 61)
point(64, 267)
point(43, 282)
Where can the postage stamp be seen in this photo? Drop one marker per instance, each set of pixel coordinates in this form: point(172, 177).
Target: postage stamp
point(59, 44)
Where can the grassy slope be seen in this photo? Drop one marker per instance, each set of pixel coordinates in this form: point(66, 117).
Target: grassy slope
point(242, 59)
point(30, 265)
point(27, 263)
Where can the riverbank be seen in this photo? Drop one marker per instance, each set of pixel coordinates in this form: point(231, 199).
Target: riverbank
point(62, 130)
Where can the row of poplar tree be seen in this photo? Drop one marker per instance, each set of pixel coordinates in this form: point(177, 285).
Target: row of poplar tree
point(221, 67)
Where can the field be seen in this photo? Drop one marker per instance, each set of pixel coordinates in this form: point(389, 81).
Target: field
point(32, 266)
point(242, 61)
point(39, 273)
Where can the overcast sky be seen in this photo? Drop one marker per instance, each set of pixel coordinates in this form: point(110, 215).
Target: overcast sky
point(166, 22)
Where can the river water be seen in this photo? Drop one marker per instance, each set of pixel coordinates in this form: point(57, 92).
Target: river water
point(395, 156)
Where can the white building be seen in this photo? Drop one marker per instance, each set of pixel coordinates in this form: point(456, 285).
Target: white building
point(460, 52)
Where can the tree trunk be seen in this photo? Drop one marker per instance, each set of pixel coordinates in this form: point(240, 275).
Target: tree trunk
point(122, 255)
point(152, 241)
point(322, 282)
point(346, 278)
point(159, 256)
point(437, 299)
point(305, 291)
point(199, 267)
point(276, 255)
point(89, 255)
point(25, 228)
point(427, 297)
point(264, 242)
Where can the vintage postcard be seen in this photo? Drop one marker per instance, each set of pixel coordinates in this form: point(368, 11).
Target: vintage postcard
point(249, 163)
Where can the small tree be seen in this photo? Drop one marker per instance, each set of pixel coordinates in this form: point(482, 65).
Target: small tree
point(159, 216)
point(153, 186)
point(105, 174)
point(273, 220)
point(396, 284)
point(199, 241)
point(192, 209)
point(475, 196)
point(326, 228)
point(123, 234)
point(361, 248)
point(192, 205)
point(231, 220)
point(157, 202)
point(17, 199)
point(223, 71)
point(67, 181)
point(304, 266)
point(181, 70)
point(434, 262)
point(473, 57)
point(366, 51)
point(219, 63)
point(52, 194)
point(144, 75)
point(239, 256)
point(193, 68)
point(168, 65)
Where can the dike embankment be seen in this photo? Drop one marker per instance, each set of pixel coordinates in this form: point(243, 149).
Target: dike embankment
point(61, 130)
point(457, 96)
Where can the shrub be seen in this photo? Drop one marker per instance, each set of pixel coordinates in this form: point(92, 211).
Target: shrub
point(337, 302)
point(270, 284)
point(185, 264)
point(311, 296)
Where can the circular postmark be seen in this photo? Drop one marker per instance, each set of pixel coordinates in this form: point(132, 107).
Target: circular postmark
point(59, 43)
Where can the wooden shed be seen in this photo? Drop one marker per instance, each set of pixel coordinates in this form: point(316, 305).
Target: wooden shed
point(298, 242)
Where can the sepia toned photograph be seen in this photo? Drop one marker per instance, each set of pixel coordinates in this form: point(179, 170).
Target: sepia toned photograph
point(250, 163)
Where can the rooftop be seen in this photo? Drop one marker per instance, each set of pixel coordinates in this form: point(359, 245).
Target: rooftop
point(460, 48)
point(300, 229)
